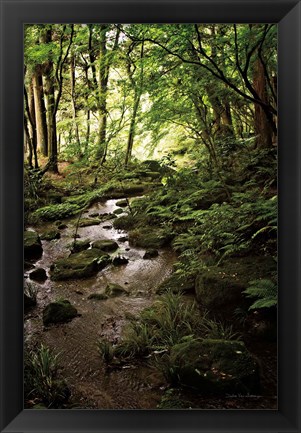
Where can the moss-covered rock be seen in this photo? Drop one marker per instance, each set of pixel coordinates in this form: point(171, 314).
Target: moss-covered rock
point(112, 290)
point(118, 211)
point(177, 283)
point(125, 222)
point(150, 253)
point(105, 245)
point(38, 274)
point(215, 367)
point(79, 246)
point(32, 245)
point(122, 203)
point(79, 265)
point(50, 235)
point(147, 237)
point(59, 312)
point(219, 288)
point(86, 222)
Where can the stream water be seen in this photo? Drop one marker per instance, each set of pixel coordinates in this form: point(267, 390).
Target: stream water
point(91, 384)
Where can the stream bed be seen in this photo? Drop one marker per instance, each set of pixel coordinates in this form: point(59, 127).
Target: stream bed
point(91, 384)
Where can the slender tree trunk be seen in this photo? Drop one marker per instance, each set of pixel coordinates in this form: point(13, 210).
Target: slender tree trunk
point(74, 109)
point(102, 94)
point(262, 126)
point(132, 129)
point(29, 143)
point(51, 119)
point(40, 110)
point(87, 132)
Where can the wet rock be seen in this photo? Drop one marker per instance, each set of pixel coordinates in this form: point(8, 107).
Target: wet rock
point(28, 266)
point(107, 227)
point(105, 245)
point(50, 235)
point(121, 203)
point(119, 260)
point(112, 290)
point(123, 239)
point(151, 253)
point(29, 301)
point(32, 245)
point(86, 222)
point(118, 211)
point(177, 283)
point(216, 367)
point(94, 214)
point(59, 312)
point(39, 274)
point(98, 296)
point(62, 226)
point(79, 265)
point(79, 246)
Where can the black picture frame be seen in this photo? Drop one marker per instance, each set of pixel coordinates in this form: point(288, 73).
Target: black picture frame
point(13, 15)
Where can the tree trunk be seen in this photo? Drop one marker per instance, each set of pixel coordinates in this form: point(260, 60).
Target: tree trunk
point(40, 110)
point(262, 127)
point(132, 129)
point(30, 109)
point(102, 95)
point(51, 120)
point(74, 110)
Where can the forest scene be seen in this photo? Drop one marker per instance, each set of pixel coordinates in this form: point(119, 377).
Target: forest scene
point(150, 216)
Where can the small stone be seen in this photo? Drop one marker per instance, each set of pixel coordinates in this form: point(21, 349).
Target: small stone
point(121, 203)
point(98, 296)
point(62, 226)
point(119, 260)
point(123, 239)
point(151, 253)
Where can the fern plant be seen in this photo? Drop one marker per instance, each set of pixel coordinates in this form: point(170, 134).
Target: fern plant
point(265, 291)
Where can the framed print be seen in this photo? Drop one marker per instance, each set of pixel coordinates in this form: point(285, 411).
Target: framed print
point(150, 190)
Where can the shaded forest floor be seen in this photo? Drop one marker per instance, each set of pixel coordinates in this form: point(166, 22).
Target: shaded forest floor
point(186, 250)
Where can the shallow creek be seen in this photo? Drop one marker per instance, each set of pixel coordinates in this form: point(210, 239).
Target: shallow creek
point(92, 385)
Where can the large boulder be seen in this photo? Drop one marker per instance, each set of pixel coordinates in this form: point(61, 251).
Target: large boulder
point(79, 265)
point(105, 245)
point(59, 312)
point(219, 288)
point(32, 245)
point(215, 367)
